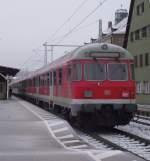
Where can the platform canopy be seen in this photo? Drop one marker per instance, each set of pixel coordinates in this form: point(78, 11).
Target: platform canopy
point(8, 71)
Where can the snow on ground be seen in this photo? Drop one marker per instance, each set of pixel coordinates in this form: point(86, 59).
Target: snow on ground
point(137, 129)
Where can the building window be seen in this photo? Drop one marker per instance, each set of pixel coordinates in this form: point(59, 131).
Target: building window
point(139, 87)
point(146, 59)
point(140, 9)
point(141, 60)
point(136, 61)
point(137, 34)
point(144, 32)
point(146, 87)
point(132, 37)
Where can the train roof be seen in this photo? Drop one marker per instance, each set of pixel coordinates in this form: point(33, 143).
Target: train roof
point(83, 52)
point(101, 48)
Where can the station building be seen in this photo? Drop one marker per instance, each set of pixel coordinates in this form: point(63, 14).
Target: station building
point(6, 74)
point(137, 41)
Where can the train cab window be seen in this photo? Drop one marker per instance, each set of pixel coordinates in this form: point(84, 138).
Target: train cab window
point(132, 71)
point(94, 71)
point(60, 77)
point(76, 72)
point(117, 72)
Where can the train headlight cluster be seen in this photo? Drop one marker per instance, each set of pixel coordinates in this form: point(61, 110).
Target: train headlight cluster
point(88, 94)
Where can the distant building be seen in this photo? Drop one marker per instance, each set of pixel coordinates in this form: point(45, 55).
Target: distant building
point(5, 75)
point(115, 33)
point(120, 14)
point(137, 41)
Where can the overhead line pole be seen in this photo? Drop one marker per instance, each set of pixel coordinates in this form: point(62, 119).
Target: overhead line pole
point(52, 49)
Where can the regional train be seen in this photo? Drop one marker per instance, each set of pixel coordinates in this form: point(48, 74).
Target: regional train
point(93, 84)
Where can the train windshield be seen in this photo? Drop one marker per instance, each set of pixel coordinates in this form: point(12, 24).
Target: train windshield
point(94, 71)
point(117, 72)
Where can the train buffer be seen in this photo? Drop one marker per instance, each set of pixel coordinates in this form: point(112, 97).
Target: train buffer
point(28, 133)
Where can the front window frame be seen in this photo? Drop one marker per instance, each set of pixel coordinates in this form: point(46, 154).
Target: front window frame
point(127, 78)
point(105, 70)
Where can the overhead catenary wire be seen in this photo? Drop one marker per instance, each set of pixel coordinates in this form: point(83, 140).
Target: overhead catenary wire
point(83, 20)
point(69, 18)
point(59, 28)
point(75, 27)
point(83, 27)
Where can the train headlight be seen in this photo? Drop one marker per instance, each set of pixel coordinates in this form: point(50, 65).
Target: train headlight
point(125, 94)
point(88, 94)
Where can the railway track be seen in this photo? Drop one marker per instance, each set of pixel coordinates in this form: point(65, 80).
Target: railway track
point(118, 140)
point(142, 120)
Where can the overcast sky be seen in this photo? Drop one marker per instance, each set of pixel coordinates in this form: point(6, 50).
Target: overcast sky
point(26, 24)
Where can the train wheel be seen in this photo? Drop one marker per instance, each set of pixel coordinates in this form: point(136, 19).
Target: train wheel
point(87, 121)
point(72, 119)
point(57, 109)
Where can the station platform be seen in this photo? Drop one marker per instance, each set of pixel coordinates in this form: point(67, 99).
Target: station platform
point(28, 133)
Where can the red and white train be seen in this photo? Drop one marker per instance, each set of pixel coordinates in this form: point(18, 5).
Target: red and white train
point(95, 83)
